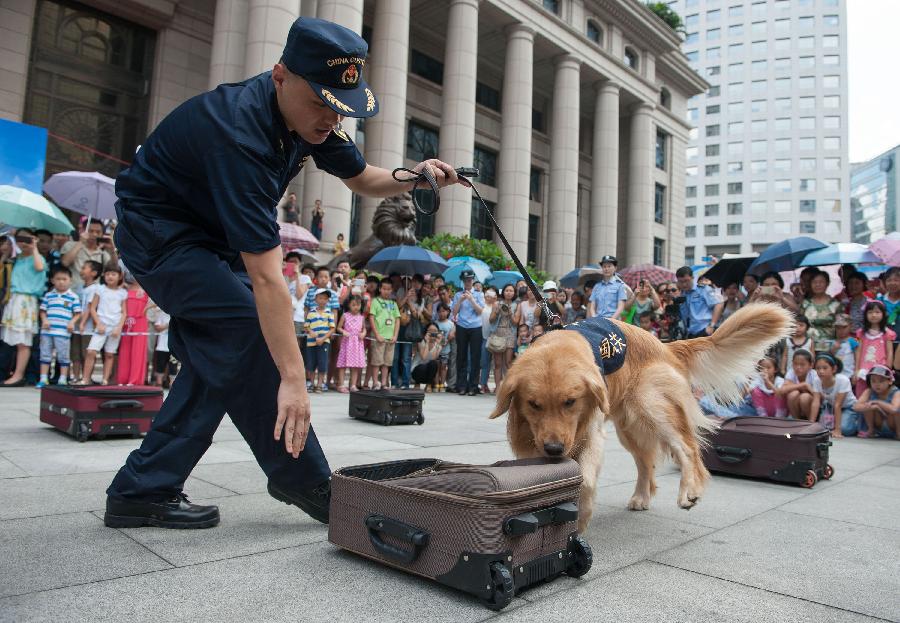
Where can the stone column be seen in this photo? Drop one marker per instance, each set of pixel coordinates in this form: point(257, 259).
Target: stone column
point(336, 198)
point(638, 235)
point(605, 189)
point(514, 167)
point(457, 136)
point(563, 209)
point(309, 8)
point(268, 24)
point(229, 44)
point(388, 65)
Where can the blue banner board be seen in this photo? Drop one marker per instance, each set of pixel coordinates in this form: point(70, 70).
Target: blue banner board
point(23, 155)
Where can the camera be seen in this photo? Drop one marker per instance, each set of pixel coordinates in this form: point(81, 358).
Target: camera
point(24, 238)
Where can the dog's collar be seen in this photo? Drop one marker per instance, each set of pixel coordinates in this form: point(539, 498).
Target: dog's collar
point(608, 342)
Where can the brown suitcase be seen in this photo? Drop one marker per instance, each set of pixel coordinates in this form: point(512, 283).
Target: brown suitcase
point(793, 451)
point(489, 530)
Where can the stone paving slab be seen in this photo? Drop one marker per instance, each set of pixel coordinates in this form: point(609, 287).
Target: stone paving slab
point(859, 504)
point(9, 470)
point(831, 562)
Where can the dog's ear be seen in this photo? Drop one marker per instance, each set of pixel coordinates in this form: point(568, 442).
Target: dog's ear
point(597, 390)
point(505, 395)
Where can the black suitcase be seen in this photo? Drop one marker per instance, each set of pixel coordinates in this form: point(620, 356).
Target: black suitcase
point(388, 406)
point(794, 451)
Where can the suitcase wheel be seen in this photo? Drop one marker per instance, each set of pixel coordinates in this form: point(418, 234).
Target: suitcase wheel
point(420, 420)
point(501, 587)
point(581, 557)
point(809, 480)
point(387, 418)
point(828, 472)
point(83, 432)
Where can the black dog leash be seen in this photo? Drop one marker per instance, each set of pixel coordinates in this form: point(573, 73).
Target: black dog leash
point(465, 173)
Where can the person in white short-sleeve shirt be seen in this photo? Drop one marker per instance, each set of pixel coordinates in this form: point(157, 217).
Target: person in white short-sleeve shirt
point(108, 313)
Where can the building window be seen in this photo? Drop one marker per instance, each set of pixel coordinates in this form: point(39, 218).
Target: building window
point(712, 130)
point(713, 34)
point(690, 231)
point(758, 166)
point(661, 138)
point(426, 67)
point(659, 204)
point(735, 188)
point(481, 226)
point(782, 186)
point(594, 32)
point(631, 58)
point(421, 142)
point(713, 109)
point(537, 120)
point(534, 185)
point(552, 6)
point(486, 162)
point(735, 167)
point(830, 20)
point(665, 98)
point(711, 190)
point(714, 91)
point(807, 205)
point(690, 191)
point(534, 228)
point(807, 227)
point(736, 11)
point(659, 246)
point(712, 150)
point(715, 70)
point(735, 209)
point(488, 97)
point(711, 169)
point(690, 211)
point(711, 209)
point(734, 229)
point(808, 185)
point(710, 230)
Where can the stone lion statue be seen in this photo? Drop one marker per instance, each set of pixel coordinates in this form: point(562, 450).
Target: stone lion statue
point(394, 223)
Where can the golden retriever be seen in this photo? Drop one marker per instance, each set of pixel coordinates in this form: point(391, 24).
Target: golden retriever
point(558, 400)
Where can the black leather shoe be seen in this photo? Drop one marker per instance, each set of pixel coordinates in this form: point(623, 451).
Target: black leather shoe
point(315, 501)
point(461, 391)
point(176, 512)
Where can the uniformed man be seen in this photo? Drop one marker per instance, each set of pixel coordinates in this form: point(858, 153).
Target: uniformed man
point(197, 227)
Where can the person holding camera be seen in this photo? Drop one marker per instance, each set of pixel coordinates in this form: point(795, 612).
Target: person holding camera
point(92, 244)
point(467, 306)
point(701, 307)
point(427, 358)
point(502, 343)
point(643, 299)
point(20, 315)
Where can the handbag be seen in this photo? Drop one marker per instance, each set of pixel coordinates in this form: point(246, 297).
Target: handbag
point(414, 331)
point(496, 343)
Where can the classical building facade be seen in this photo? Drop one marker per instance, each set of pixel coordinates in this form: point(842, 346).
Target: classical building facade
point(574, 110)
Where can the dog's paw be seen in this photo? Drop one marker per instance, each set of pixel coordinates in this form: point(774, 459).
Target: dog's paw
point(688, 501)
point(639, 502)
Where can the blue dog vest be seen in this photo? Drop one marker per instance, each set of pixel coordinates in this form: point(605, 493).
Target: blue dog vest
point(608, 342)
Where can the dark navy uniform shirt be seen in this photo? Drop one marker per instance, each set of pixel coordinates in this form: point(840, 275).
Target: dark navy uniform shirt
point(214, 169)
point(608, 342)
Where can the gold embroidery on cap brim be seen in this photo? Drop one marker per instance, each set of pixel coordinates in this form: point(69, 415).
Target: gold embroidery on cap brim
point(328, 95)
point(370, 100)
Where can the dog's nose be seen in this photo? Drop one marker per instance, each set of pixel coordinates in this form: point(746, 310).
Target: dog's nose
point(554, 448)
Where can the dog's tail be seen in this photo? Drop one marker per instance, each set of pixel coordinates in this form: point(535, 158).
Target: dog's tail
point(723, 364)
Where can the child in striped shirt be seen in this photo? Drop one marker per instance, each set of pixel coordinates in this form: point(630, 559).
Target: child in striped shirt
point(60, 311)
point(319, 329)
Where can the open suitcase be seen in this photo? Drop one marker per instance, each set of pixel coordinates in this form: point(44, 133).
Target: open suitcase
point(100, 410)
point(489, 530)
point(388, 407)
point(794, 451)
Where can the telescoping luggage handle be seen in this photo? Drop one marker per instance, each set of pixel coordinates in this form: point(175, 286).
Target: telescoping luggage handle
point(730, 454)
point(416, 537)
point(527, 523)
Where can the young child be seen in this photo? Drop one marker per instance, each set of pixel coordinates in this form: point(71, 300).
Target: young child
point(448, 335)
point(161, 356)
point(537, 331)
point(764, 395)
point(523, 339)
point(891, 297)
point(319, 329)
point(878, 406)
point(81, 337)
point(800, 340)
point(385, 318)
point(352, 326)
point(845, 345)
point(20, 313)
point(876, 344)
point(339, 246)
point(132, 368)
point(108, 313)
point(801, 389)
point(60, 311)
point(837, 395)
point(645, 320)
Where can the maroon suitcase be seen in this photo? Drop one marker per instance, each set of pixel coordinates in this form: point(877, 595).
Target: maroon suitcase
point(794, 451)
point(98, 410)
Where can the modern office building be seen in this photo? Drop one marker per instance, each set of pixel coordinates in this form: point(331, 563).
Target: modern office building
point(768, 158)
point(574, 110)
point(874, 203)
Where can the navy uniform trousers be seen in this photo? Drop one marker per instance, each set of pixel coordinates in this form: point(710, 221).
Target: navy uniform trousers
point(226, 367)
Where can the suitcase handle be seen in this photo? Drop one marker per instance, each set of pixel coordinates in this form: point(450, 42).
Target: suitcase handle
point(730, 454)
point(397, 529)
point(122, 404)
point(405, 403)
point(527, 523)
point(361, 409)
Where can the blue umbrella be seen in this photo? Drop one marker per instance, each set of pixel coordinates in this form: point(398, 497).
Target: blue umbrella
point(841, 253)
point(785, 255)
point(467, 259)
point(481, 270)
point(407, 260)
point(570, 279)
point(501, 278)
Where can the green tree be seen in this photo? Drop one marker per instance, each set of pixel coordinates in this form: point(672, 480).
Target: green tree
point(666, 14)
point(449, 245)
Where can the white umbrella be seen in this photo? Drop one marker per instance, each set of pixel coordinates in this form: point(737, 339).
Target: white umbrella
point(90, 193)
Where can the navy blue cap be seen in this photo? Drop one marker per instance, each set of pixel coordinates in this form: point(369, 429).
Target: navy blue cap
point(331, 58)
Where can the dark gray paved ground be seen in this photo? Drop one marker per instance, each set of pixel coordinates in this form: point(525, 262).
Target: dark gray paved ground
point(751, 551)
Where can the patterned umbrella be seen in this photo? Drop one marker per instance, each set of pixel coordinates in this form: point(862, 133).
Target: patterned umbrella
point(654, 274)
point(296, 237)
point(90, 193)
point(888, 249)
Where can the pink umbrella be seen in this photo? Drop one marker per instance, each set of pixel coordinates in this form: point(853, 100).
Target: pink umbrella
point(296, 237)
point(888, 249)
